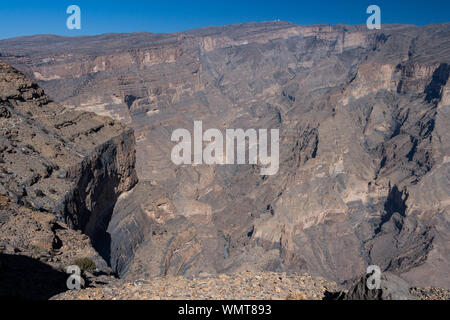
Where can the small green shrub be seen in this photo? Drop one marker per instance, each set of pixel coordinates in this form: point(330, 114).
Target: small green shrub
point(85, 264)
point(38, 251)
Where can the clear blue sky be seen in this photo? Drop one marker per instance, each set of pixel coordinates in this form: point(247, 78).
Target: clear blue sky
point(20, 17)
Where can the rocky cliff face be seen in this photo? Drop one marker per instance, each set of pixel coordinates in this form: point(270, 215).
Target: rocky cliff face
point(363, 118)
point(60, 171)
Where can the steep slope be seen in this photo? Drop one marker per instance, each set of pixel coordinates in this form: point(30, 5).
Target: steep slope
point(363, 118)
point(60, 171)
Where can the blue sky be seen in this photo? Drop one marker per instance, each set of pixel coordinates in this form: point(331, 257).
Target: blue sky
point(20, 17)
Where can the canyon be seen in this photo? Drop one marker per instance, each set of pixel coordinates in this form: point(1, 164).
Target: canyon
point(364, 170)
point(61, 171)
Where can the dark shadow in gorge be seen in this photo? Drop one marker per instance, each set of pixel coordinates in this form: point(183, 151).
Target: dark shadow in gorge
point(24, 278)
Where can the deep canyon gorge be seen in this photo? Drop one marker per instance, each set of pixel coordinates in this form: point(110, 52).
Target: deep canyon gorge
point(364, 170)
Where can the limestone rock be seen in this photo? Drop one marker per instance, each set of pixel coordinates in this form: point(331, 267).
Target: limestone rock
point(364, 146)
point(392, 287)
point(45, 219)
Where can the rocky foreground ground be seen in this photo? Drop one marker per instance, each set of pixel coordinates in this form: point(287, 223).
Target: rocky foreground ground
point(247, 286)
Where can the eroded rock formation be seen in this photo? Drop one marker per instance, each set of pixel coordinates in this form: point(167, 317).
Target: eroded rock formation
point(60, 171)
point(364, 154)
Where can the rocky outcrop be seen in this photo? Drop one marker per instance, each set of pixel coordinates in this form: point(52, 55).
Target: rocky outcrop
point(391, 288)
point(98, 181)
point(363, 118)
point(251, 286)
point(60, 171)
point(239, 286)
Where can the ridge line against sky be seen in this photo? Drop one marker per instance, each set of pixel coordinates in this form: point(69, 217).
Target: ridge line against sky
point(22, 18)
point(183, 31)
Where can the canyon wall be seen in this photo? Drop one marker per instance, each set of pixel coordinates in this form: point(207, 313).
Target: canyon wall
point(363, 119)
point(60, 171)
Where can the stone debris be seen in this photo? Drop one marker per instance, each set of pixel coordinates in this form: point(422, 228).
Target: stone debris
point(247, 285)
point(240, 286)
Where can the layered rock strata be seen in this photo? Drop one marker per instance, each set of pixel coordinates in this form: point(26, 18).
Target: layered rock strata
point(61, 172)
point(364, 154)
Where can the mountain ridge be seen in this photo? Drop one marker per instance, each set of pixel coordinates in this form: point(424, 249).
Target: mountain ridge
point(363, 174)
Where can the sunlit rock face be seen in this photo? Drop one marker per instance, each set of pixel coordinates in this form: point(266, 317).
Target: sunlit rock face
point(61, 172)
point(364, 153)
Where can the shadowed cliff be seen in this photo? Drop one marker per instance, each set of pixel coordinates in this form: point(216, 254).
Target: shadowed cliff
point(364, 153)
